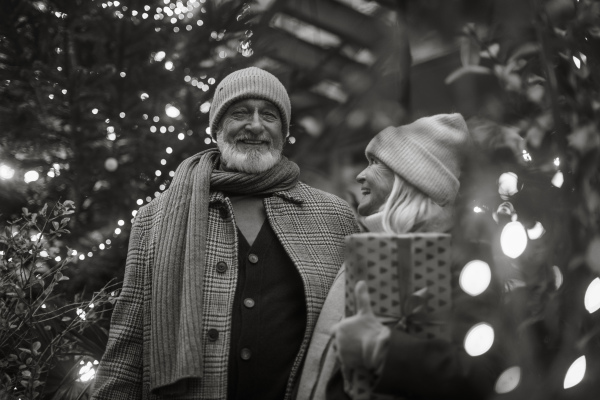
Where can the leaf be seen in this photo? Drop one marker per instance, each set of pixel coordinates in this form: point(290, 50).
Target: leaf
point(471, 69)
point(469, 52)
point(524, 50)
point(55, 225)
point(35, 347)
point(24, 383)
point(66, 319)
point(25, 211)
point(43, 210)
point(27, 373)
point(25, 350)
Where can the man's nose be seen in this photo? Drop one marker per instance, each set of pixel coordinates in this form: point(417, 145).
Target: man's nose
point(255, 125)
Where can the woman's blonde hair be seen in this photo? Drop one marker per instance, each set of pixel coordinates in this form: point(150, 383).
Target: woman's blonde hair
point(407, 208)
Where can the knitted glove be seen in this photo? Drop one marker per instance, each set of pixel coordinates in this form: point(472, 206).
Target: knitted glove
point(361, 340)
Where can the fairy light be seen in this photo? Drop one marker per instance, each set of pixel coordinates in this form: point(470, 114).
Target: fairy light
point(592, 296)
point(475, 277)
point(508, 380)
point(513, 239)
point(479, 339)
point(575, 373)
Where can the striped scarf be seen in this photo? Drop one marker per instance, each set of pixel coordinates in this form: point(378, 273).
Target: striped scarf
point(177, 281)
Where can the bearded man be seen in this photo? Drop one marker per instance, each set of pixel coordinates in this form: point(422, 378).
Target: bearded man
point(228, 269)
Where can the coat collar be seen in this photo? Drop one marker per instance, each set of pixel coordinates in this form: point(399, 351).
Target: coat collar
point(296, 195)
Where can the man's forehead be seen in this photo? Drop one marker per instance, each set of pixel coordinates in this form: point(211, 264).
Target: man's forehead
point(254, 103)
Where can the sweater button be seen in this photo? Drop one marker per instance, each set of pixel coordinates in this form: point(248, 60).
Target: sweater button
point(249, 303)
point(221, 267)
point(253, 258)
point(245, 354)
point(213, 335)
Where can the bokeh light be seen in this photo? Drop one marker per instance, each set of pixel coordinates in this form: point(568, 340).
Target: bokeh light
point(558, 277)
point(508, 380)
point(172, 111)
point(592, 296)
point(31, 176)
point(558, 179)
point(6, 172)
point(513, 239)
point(575, 373)
point(508, 185)
point(479, 339)
point(536, 231)
point(87, 372)
point(475, 277)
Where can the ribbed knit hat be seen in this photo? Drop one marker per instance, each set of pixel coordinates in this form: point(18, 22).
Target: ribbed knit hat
point(427, 153)
point(250, 83)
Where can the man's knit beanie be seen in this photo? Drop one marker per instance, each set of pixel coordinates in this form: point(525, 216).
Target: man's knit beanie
point(250, 83)
point(427, 153)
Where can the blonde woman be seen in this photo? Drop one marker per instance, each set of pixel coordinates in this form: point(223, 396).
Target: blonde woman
point(410, 185)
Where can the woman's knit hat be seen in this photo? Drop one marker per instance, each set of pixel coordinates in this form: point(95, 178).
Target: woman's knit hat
point(427, 153)
point(250, 83)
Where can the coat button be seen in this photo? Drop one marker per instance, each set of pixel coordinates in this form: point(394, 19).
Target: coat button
point(249, 303)
point(245, 354)
point(253, 258)
point(221, 267)
point(213, 335)
point(224, 213)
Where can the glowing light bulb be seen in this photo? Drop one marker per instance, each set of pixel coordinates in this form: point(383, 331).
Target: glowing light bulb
point(134, 212)
point(169, 150)
point(513, 239)
point(592, 296)
point(207, 130)
point(101, 246)
point(477, 209)
point(575, 373)
point(31, 176)
point(117, 231)
point(507, 185)
point(169, 66)
point(6, 172)
point(172, 111)
point(157, 173)
point(121, 222)
point(508, 380)
point(479, 339)
point(558, 179)
point(536, 231)
point(577, 62)
point(181, 136)
point(475, 277)
point(163, 162)
point(43, 253)
point(74, 253)
point(558, 277)
point(207, 141)
point(81, 257)
point(94, 111)
point(205, 107)
point(140, 202)
point(159, 56)
point(57, 258)
point(557, 161)
point(111, 136)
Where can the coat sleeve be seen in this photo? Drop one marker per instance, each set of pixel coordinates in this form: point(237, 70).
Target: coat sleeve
point(433, 368)
point(119, 374)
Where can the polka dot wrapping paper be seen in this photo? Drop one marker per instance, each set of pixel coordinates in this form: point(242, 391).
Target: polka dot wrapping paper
point(409, 280)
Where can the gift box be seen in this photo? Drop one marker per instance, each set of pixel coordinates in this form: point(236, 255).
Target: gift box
point(408, 276)
point(409, 280)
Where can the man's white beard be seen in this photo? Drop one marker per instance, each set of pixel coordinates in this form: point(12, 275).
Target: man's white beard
point(250, 162)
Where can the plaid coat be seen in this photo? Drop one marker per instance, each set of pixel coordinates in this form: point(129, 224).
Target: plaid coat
point(311, 226)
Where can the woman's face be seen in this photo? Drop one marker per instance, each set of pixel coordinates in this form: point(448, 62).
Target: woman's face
point(376, 185)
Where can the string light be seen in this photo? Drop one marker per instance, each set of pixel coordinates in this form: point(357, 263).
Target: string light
point(592, 296)
point(508, 380)
point(475, 277)
point(513, 239)
point(479, 339)
point(575, 373)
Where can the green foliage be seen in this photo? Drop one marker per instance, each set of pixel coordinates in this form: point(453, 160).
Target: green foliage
point(42, 332)
point(544, 125)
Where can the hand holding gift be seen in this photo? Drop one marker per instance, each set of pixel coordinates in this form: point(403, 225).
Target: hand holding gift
point(361, 340)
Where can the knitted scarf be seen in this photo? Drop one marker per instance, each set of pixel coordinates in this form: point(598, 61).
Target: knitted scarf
point(177, 281)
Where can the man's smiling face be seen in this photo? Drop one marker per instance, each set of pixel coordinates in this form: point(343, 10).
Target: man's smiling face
point(250, 136)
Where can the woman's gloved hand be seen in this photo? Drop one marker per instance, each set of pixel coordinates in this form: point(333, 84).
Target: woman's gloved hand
point(361, 340)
